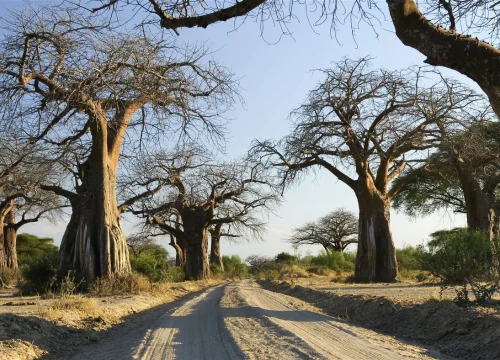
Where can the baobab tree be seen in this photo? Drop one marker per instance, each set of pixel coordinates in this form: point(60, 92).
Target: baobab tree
point(444, 30)
point(67, 78)
point(241, 224)
point(371, 124)
point(195, 195)
point(334, 231)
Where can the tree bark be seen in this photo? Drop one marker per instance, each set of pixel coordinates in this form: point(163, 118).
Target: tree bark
point(100, 248)
point(4, 216)
point(215, 255)
point(3, 255)
point(178, 245)
point(10, 241)
point(474, 58)
point(196, 244)
point(376, 256)
point(476, 204)
point(66, 260)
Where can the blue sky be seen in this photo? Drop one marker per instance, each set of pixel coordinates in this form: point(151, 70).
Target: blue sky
point(274, 80)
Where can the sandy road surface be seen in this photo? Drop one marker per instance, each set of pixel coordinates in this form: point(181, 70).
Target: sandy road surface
point(243, 321)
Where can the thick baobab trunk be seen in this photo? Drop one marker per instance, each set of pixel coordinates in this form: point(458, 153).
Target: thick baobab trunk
point(215, 255)
point(66, 256)
point(100, 248)
point(376, 256)
point(10, 241)
point(196, 265)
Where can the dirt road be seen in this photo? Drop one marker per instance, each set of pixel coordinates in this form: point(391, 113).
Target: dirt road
point(240, 320)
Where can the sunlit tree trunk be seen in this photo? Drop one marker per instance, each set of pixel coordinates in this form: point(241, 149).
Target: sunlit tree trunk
point(215, 254)
point(100, 247)
point(376, 255)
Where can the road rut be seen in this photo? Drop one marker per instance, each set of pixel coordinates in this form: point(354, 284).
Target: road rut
point(240, 320)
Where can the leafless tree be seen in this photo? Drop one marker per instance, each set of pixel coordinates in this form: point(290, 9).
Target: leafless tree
point(258, 263)
point(21, 200)
point(371, 124)
point(195, 196)
point(442, 30)
point(137, 243)
point(70, 80)
point(334, 231)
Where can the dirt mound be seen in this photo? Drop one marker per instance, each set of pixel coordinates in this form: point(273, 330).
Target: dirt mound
point(465, 333)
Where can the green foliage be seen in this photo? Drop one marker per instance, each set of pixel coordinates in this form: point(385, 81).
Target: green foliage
point(37, 258)
point(215, 270)
point(286, 258)
point(334, 260)
point(152, 262)
point(32, 249)
point(409, 258)
point(234, 267)
point(39, 276)
point(175, 274)
point(458, 255)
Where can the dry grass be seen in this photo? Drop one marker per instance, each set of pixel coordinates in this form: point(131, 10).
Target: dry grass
point(121, 284)
point(10, 277)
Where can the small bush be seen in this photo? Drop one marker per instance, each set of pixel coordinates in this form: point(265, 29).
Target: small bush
point(458, 256)
point(175, 274)
point(409, 258)
point(39, 276)
point(334, 261)
point(234, 267)
point(421, 277)
point(286, 258)
point(152, 262)
point(215, 270)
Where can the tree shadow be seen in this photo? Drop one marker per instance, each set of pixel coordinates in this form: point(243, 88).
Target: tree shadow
point(465, 333)
point(63, 341)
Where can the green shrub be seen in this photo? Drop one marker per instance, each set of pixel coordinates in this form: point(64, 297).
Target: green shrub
point(286, 258)
point(334, 261)
point(215, 270)
point(458, 255)
point(39, 276)
point(409, 258)
point(152, 262)
point(234, 267)
point(175, 274)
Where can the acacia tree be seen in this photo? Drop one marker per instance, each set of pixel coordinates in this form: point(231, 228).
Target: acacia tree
point(464, 175)
point(195, 195)
point(67, 78)
point(371, 124)
point(417, 26)
point(334, 231)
